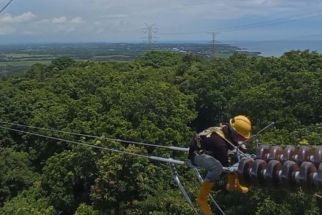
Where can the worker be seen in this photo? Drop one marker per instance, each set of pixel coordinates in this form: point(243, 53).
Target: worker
point(209, 150)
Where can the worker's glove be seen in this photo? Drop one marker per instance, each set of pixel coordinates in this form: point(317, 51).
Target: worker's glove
point(243, 148)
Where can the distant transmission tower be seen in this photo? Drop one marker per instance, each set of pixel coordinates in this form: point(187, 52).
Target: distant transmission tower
point(150, 30)
point(213, 42)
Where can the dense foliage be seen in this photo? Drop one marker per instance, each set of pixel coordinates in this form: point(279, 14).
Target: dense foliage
point(159, 98)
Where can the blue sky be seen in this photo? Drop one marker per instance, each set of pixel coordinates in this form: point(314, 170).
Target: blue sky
point(40, 21)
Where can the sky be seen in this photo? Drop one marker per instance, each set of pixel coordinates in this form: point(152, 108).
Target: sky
point(42, 21)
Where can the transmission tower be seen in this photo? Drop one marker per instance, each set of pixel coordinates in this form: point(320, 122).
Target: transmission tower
point(150, 30)
point(213, 42)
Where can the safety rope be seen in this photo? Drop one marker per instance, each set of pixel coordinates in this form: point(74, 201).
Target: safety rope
point(175, 148)
point(168, 160)
point(259, 132)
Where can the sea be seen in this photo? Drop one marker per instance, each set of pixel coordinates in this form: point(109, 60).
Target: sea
point(277, 48)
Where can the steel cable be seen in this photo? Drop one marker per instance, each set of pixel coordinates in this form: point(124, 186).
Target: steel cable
point(168, 160)
point(105, 138)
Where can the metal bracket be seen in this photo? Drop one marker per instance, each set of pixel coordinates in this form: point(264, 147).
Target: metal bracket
point(183, 191)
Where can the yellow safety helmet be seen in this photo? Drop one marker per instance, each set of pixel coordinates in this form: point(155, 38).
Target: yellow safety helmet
point(242, 125)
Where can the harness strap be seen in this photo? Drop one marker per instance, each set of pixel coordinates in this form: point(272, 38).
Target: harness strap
point(195, 147)
point(218, 130)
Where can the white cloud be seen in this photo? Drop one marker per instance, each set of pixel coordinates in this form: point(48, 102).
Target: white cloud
point(29, 24)
point(59, 20)
point(9, 23)
point(65, 20)
point(117, 19)
point(115, 16)
point(64, 24)
point(9, 19)
point(77, 20)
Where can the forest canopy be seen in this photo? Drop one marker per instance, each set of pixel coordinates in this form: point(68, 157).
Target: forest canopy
point(159, 98)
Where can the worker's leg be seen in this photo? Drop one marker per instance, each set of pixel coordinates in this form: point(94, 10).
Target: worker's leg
point(231, 182)
point(202, 199)
point(214, 170)
point(234, 185)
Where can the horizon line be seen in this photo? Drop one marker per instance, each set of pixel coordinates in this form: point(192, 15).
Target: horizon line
point(161, 42)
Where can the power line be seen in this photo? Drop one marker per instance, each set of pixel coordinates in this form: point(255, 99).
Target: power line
point(184, 33)
point(254, 25)
point(301, 36)
point(168, 160)
point(5, 7)
point(175, 148)
point(269, 22)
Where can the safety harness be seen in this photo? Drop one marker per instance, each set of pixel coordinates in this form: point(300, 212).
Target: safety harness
point(195, 146)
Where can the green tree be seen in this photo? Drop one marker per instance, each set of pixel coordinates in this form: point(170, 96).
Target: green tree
point(122, 179)
point(269, 207)
point(29, 202)
point(67, 178)
point(61, 63)
point(16, 173)
point(163, 202)
point(84, 209)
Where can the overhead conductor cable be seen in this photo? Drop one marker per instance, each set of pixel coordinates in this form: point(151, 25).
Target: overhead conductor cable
point(168, 160)
point(175, 148)
point(5, 7)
